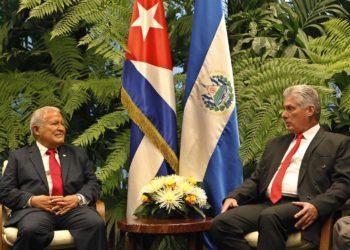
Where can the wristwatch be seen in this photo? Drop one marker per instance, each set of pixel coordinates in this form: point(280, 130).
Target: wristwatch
point(80, 200)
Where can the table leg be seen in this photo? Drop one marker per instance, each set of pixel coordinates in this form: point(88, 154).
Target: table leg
point(199, 241)
point(131, 241)
point(191, 241)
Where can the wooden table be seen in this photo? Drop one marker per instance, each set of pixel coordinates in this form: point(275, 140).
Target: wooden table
point(138, 229)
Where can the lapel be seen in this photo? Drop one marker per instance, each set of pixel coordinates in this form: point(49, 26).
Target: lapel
point(65, 161)
point(279, 151)
point(37, 161)
point(313, 145)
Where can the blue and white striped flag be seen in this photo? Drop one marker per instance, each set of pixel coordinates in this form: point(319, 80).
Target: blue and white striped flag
point(210, 141)
point(148, 95)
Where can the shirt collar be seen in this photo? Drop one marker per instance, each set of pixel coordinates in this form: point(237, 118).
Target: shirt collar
point(42, 148)
point(311, 132)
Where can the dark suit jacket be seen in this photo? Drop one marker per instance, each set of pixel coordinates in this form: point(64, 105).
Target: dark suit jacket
point(324, 177)
point(25, 176)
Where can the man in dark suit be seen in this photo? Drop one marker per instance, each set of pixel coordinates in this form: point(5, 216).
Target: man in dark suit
point(50, 186)
point(302, 178)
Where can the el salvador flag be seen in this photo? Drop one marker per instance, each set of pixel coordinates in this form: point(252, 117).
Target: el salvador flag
point(209, 140)
point(148, 95)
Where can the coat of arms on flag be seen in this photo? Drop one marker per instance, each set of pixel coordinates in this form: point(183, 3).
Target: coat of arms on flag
point(218, 96)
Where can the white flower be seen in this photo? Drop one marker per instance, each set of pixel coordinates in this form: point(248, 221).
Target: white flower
point(201, 196)
point(169, 199)
point(153, 186)
point(185, 187)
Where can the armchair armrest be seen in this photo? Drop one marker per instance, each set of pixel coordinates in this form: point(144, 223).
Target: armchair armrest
point(327, 228)
point(327, 232)
point(100, 207)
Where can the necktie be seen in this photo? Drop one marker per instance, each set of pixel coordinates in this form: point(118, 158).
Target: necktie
point(276, 187)
point(55, 172)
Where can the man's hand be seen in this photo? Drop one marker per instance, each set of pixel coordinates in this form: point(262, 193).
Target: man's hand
point(307, 215)
point(43, 202)
point(62, 205)
point(229, 203)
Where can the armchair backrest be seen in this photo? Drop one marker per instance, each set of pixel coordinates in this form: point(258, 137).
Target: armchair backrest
point(3, 167)
point(7, 210)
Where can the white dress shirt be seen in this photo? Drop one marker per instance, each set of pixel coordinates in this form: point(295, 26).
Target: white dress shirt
point(290, 180)
point(45, 159)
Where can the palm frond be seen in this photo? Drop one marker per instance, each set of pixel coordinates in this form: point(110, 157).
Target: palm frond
point(115, 210)
point(332, 48)
point(110, 174)
point(12, 131)
point(311, 13)
point(88, 11)
point(75, 96)
point(110, 121)
point(78, 93)
point(48, 7)
point(108, 22)
point(66, 57)
point(28, 4)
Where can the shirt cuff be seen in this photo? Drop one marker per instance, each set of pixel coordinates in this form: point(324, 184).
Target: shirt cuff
point(29, 202)
point(82, 200)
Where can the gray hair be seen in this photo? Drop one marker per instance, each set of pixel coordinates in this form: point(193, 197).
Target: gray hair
point(307, 96)
point(38, 115)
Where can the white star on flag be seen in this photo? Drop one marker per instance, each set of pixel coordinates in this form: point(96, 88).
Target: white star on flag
point(146, 19)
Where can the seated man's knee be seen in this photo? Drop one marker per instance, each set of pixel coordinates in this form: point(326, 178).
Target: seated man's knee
point(99, 222)
point(31, 228)
point(27, 231)
point(32, 232)
point(225, 224)
point(95, 221)
point(216, 227)
point(268, 215)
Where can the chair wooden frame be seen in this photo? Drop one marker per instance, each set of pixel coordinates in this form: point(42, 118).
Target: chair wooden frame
point(327, 232)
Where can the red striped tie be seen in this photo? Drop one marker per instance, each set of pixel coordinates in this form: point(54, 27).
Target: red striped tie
point(276, 188)
point(55, 172)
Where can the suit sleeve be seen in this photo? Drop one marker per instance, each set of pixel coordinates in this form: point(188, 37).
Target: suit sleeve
point(10, 195)
point(92, 186)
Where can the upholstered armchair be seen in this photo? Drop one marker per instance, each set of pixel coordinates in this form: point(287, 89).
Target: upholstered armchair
point(62, 238)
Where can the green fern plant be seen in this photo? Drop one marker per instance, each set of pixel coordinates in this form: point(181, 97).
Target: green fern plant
point(67, 59)
point(332, 51)
point(107, 22)
point(110, 173)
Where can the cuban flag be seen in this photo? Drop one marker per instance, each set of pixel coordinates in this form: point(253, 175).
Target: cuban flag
point(209, 140)
point(148, 95)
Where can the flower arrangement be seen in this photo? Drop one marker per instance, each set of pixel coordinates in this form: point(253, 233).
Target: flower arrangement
point(172, 196)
